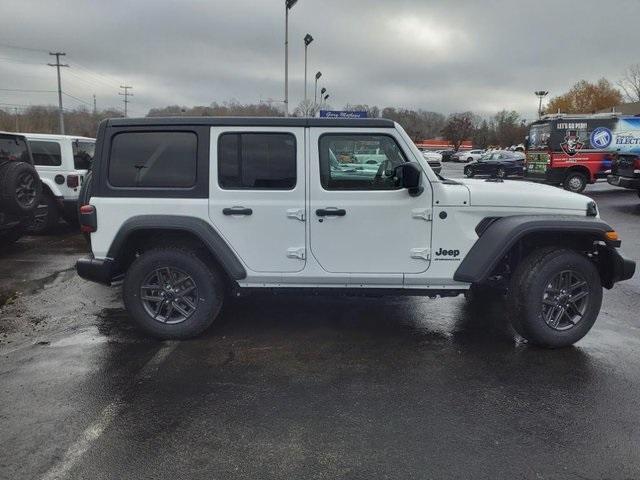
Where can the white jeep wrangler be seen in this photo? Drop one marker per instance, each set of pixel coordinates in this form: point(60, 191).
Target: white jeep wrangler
point(190, 210)
point(62, 161)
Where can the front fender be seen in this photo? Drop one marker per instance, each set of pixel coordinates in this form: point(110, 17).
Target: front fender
point(498, 236)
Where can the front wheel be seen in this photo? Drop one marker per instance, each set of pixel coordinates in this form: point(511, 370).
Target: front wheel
point(555, 297)
point(171, 293)
point(575, 182)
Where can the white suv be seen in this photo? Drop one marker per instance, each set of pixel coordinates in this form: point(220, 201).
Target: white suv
point(190, 210)
point(62, 161)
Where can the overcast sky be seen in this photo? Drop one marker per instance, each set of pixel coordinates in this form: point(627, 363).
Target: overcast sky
point(444, 56)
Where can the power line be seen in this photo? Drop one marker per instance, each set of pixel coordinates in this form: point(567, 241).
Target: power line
point(25, 90)
point(126, 96)
point(58, 65)
point(7, 45)
point(78, 99)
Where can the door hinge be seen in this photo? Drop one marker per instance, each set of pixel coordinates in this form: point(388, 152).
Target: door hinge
point(296, 252)
point(423, 213)
point(422, 253)
point(296, 213)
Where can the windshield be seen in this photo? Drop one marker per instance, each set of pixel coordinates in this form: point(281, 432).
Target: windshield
point(539, 135)
point(12, 149)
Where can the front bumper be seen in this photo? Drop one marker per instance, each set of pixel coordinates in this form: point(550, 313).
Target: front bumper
point(613, 266)
point(96, 270)
point(632, 183)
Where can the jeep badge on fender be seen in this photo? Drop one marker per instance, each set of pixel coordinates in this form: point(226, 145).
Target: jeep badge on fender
point(190, 210)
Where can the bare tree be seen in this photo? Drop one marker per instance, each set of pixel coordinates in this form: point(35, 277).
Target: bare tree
point(630, 83)
point(306, 108)
point(460, 127)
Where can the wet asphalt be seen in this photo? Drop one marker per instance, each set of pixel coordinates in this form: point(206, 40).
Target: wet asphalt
point(320, 387)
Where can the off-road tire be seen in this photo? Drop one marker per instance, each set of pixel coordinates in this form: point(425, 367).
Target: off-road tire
point(571, 182)
point(209, 283)
point(20, 188)
point(528, 283)
point(46, 217)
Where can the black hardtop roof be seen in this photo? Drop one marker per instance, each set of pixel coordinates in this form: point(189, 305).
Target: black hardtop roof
point(253, 122)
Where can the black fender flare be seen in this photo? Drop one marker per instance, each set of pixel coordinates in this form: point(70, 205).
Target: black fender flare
point(198, 227)
point(499, 235)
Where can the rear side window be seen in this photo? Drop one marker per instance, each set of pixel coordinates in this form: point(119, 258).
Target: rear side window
point(153, 159)
point(13, 149)
point(83, 154)
point(46, 153)
point(261, 161)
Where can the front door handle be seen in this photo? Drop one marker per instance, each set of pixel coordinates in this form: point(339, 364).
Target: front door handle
point(237, 211)
point(331, 212)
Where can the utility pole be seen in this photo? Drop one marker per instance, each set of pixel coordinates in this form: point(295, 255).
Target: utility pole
point(126, 96)
point(95, 107)
point(15, 110)
point(58, 65)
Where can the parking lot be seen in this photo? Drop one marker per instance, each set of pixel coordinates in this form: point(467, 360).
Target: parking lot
point(320, 387)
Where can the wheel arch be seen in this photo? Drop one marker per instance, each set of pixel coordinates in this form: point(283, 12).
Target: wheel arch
point(50, 187)
point(581, 169)
point(507, 240)
point(143, 232)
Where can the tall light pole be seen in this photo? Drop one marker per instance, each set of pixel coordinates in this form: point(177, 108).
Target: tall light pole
point(307, 40)
point(58, 65)
point(315, 94)
point(540, 94)
point(288, 5)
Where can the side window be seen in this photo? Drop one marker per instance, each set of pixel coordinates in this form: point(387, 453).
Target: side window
point(153, 159)
point(46, 153)
point(83, 154)
point(359, 162)
point(260, 161)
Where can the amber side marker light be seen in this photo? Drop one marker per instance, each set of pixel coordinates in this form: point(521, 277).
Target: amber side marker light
point(612, 235)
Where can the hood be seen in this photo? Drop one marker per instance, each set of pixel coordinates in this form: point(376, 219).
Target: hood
point(515, 193)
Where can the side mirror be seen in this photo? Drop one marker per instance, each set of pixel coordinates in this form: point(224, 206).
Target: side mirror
point(409, 176)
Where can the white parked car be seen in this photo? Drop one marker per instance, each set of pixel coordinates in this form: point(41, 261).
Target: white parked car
point(466, 156)
point(62, 161)
point(434, 159)
point(190, 210)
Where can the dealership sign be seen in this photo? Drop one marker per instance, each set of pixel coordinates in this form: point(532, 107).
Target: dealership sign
point(342, 114)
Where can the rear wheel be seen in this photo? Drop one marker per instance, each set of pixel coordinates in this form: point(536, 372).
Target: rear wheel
point(171, 293)
point(575, 182)
point(501, 172)
point(555, 297)
point(470, 159)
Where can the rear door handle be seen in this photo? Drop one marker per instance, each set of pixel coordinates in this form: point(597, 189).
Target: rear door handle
point(331, 212)
point(237, 211)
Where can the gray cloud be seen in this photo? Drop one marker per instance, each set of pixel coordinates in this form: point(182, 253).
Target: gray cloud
point(439, 55)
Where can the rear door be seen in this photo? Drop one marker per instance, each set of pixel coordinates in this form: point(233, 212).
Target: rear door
point(257, 195)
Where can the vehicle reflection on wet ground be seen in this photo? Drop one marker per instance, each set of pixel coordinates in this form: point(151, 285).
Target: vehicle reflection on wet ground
point(320, 387)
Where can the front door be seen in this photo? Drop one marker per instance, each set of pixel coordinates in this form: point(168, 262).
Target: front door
point(257, 195)
point(361, 221)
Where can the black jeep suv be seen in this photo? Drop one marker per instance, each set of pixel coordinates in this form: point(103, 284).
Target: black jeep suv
point(20, 187)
